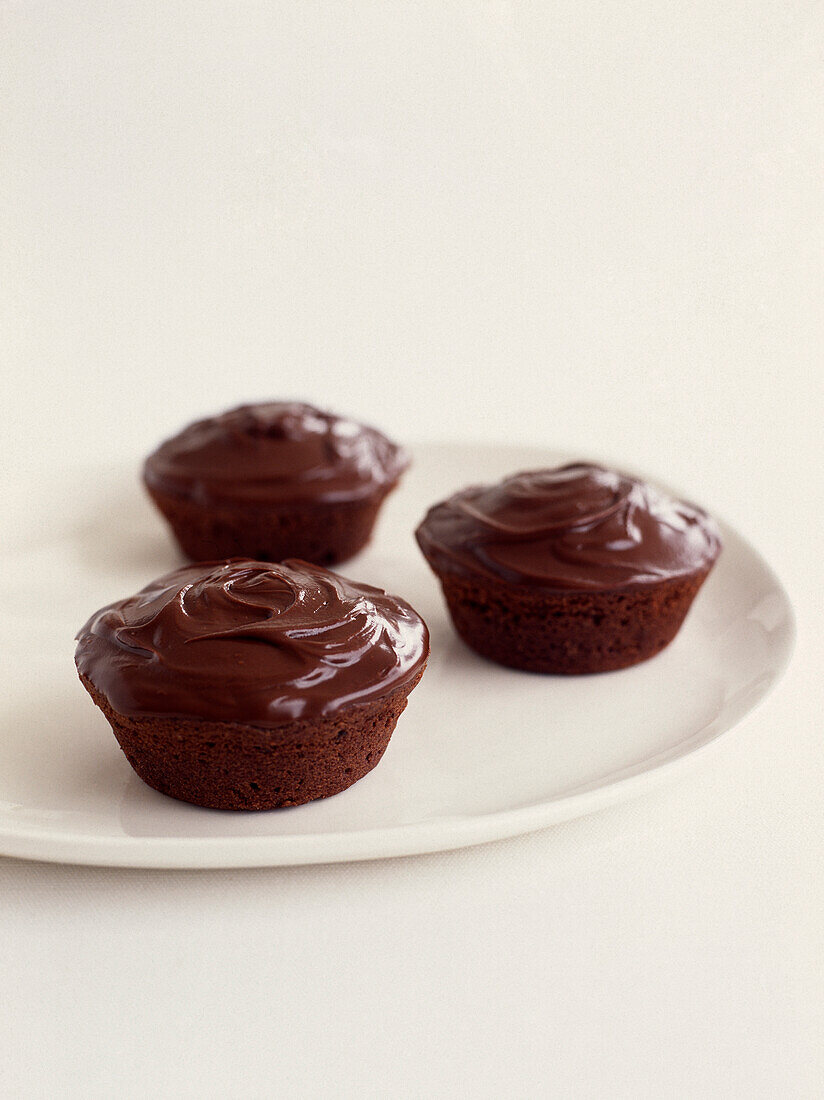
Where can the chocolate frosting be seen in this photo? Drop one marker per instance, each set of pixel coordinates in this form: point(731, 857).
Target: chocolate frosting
point(576, 527)
point(272, 453)
point(251, 642)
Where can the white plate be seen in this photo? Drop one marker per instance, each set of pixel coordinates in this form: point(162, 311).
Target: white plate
point(481, 752)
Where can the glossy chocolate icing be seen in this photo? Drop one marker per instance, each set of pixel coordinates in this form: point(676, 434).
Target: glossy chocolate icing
point(272, 453)
point(251, 642)
point(579, 527)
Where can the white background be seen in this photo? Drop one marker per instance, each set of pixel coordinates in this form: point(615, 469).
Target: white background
point(594, 226)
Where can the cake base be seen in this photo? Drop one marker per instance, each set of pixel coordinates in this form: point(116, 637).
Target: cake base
point(226, 766)
point(321, 533)
point(568, 633)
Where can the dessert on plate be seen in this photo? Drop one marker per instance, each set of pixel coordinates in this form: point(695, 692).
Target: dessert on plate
point(272, 481)
point(572, 570)
point(246, 685)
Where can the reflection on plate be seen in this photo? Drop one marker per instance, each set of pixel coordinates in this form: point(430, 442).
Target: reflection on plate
point(480, 753)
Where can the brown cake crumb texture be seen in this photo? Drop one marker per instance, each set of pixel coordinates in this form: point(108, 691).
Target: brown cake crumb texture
point(596, 631)
point(320, 533)
point(237, 767)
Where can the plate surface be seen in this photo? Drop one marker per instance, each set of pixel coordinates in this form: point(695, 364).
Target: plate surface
point(480, 753)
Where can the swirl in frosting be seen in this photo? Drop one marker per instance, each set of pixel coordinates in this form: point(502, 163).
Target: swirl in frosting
point(275, 452)
point(577, 527)
point(253, 643)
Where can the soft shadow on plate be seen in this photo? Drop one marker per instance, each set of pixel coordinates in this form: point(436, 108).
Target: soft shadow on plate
point(123, 534)
point(68, 765)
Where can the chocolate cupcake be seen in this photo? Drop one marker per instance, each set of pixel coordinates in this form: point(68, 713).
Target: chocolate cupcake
point(574, 570)
point(273, 481)
point(243, 685)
